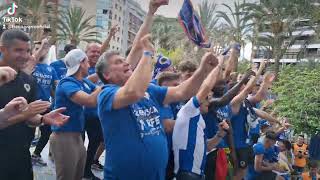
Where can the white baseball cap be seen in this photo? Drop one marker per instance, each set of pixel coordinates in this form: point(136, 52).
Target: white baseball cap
point(73, 60)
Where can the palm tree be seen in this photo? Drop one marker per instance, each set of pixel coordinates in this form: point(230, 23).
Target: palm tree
point(315, 19)
point(33, 12)
point(279, 18)
point(166, 32)
point(74, 26)
point(237, 24)
point(207, 12)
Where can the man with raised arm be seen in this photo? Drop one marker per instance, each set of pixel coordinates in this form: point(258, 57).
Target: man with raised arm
point(136, 50)
point(190, 144)
point(128, 108)
point(245, 115)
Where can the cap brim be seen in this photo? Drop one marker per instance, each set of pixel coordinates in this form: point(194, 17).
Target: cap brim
point(73, 70)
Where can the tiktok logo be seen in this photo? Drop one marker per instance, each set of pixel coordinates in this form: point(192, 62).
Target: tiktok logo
point(12, 9)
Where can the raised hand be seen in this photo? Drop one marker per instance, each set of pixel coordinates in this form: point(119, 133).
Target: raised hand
point(208, 62)
point(16, 106)
point(262, 66)
point(146, 43)
point(155, 4)
point(223, 128)
point(269, 78)
point(45, 43)
point(286, 125)
point(114, 29)
point(44, 49)
point(55, 117)
point(7, 74)
point(247, 75)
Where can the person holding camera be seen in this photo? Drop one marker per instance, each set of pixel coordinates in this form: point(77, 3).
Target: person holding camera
point(300, 151)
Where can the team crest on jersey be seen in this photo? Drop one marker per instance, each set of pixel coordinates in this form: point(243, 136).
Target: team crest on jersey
point(49, 69)
point(146, 95)
point(27, 87)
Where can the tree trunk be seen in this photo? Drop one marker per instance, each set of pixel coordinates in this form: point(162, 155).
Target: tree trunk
point(74, 42)
point(277, 54)
point(54, 23)
point(277, 66)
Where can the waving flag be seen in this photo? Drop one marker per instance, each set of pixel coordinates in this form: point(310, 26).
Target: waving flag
point(161, 64)
point(192, 25)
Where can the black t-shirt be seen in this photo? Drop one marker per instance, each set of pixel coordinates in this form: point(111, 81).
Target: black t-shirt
point(19, 135)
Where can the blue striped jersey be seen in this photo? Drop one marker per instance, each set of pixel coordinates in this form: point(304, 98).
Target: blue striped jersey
point(189, 140)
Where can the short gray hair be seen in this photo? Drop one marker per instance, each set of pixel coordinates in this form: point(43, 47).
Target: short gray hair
point(10, 35)
point(102, 64)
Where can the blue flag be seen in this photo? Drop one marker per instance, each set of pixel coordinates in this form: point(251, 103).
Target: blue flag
point(161, 64)
point(192, 25)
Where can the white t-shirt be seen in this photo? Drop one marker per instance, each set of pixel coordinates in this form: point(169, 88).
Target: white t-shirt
point(189, 140)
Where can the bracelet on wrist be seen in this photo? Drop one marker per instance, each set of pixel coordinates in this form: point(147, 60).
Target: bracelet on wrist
point(148, 53)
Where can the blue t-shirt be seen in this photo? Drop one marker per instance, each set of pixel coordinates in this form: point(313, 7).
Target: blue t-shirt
point(238, 123)
point(256, 130)
point(134, 137)
point(60, 68)
point(314, 147)
point(166, 113)
point(176, 108)
point(154, 81)
point(91, 70)
point(45, 76)
point(269, 155)
point(91, 111)
point(66, 88)
point(212, 123)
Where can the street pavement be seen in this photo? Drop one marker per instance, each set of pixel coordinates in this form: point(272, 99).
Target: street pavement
point(48, 172)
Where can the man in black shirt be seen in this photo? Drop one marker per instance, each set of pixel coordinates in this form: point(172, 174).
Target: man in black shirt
point(16, 135)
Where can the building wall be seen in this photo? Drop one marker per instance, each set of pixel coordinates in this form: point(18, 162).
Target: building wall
point(127, 14)
point(118, 12)
point(134, 17)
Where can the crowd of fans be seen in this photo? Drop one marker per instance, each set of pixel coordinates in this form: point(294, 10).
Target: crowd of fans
point(154, 121)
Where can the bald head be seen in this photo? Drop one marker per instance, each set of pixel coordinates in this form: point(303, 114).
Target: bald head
point(93, 51)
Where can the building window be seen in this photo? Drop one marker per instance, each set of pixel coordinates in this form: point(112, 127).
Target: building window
point(118, 39)
point(115, 17)
point(110, 15)
point(116, 6)
point(120, 19)
point(112, 47)
point(117, 49)
point(120, 8)
point(109, 24)
point(104, 11)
